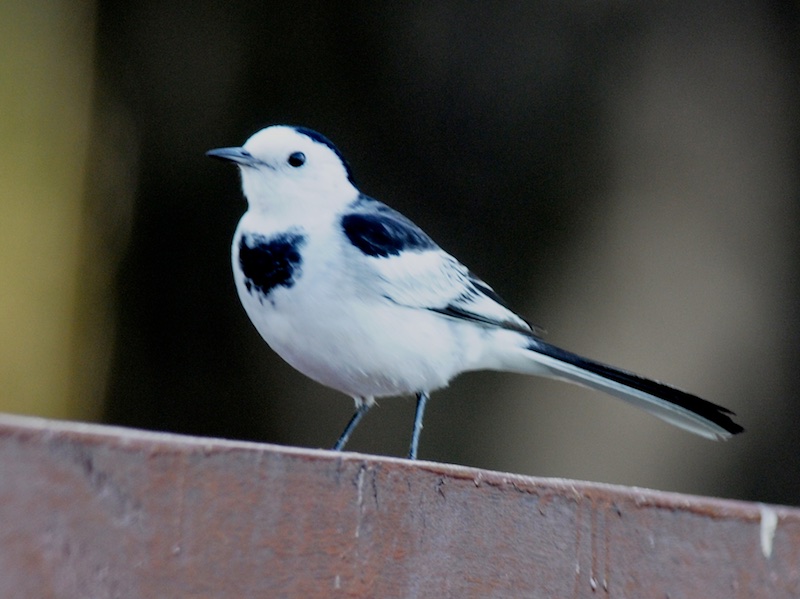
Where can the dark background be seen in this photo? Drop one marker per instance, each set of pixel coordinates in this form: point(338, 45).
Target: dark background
point(624, 174)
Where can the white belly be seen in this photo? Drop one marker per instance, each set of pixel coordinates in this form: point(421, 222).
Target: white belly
point(373, 350)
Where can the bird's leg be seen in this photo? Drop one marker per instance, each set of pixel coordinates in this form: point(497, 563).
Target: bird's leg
point(422, 399)
point(362, 407)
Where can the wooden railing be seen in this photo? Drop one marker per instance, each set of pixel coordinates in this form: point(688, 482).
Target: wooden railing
point(94, 511)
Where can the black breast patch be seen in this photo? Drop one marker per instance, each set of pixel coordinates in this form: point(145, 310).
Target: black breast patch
point(384, 233)
point(269, 262)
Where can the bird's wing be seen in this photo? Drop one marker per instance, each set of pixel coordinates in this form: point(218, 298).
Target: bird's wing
point(415, 272)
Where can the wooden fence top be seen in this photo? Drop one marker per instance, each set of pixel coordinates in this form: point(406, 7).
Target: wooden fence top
point(98, 511)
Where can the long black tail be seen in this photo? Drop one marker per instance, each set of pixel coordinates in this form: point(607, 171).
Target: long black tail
point(677, 407)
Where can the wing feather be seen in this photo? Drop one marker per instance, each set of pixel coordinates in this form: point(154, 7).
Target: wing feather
point(413, 271)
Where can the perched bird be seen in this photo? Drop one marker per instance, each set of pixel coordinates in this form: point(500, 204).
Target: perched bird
point(357, 297)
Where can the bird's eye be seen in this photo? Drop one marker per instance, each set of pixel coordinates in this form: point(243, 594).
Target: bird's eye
point(297, 159)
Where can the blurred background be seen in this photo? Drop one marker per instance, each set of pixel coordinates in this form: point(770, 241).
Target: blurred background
point(624, 174)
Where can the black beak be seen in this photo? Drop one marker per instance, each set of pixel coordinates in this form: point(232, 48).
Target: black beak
point(237, 155)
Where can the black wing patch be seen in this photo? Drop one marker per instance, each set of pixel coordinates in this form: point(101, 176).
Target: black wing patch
point(383, 232)
point(269, 262)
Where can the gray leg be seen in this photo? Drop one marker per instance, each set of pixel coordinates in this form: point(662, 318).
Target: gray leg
point(362, 409)
point(422, 399)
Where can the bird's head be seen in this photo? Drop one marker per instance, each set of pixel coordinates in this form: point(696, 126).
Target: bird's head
point(295, 167)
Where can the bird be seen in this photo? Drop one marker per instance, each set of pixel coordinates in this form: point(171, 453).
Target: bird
point(355, 296)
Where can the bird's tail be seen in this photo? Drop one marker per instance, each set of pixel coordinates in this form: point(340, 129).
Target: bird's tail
point(677, 407)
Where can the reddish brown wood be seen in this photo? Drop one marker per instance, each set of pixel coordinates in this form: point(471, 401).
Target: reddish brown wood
point(93, 511)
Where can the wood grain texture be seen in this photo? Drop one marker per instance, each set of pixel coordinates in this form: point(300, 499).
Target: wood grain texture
point(94, 511)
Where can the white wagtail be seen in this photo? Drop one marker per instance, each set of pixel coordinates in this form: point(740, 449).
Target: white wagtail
point(357, 297)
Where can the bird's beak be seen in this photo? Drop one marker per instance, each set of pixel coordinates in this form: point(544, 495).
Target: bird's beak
point(237, 155)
